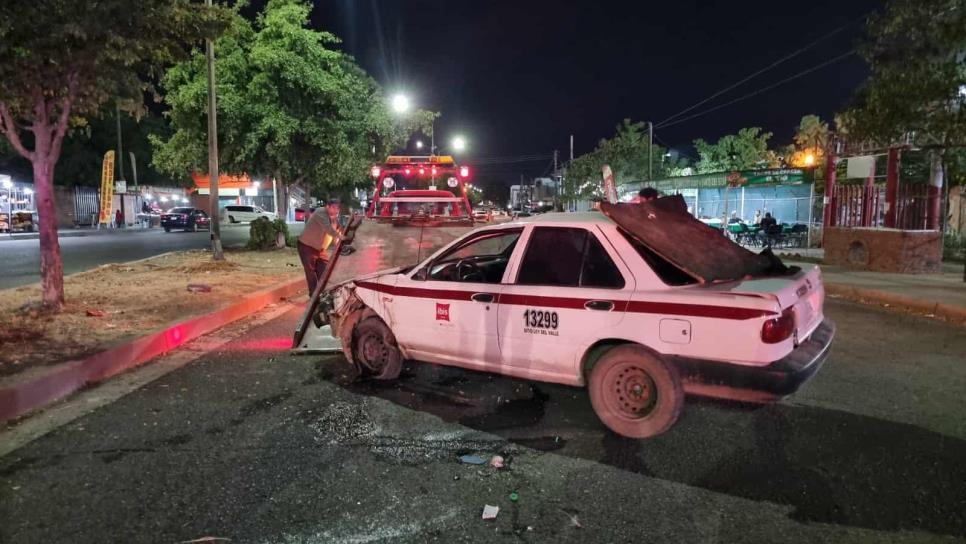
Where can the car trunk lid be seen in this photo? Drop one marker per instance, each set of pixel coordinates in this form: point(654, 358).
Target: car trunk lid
point(803, 292)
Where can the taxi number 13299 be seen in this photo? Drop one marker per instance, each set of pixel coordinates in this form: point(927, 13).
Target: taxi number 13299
point(540, 319)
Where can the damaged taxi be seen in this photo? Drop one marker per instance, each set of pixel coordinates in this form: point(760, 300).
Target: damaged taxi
point(640, 303)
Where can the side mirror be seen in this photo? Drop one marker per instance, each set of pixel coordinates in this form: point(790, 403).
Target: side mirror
point(422, 274)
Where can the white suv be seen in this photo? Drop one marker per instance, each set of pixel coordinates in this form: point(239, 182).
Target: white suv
point(244, 214)
point(582, 300)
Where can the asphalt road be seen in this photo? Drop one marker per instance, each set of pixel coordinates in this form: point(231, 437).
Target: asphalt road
point(20, 259)
point(251, 444)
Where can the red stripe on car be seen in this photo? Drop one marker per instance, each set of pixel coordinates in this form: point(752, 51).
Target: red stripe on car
point(642, 307)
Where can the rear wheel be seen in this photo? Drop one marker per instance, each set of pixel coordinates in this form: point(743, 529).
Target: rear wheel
point(231, 219)
point(635, 393)
point(193, 227)
point(167, 229)
point(376, 351)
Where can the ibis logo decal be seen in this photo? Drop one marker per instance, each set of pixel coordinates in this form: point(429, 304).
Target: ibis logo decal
point(442, 312)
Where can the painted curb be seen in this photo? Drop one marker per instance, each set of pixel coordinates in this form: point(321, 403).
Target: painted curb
point(948, 312)
point(62, 380)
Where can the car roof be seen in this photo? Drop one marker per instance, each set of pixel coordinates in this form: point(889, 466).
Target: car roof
point(554, 218)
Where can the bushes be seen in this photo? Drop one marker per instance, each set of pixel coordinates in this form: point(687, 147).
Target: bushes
point(954, 247)
point(264, 234)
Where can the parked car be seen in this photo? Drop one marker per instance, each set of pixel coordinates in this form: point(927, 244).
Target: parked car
point(611, 301)
point(190, 219)
point(301, 214)
point(481, 214)
point(244, 214)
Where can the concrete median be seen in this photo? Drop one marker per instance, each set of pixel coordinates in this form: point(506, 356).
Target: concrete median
point(42, 389)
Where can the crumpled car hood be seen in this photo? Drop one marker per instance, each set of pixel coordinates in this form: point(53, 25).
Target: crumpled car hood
point(666, 228)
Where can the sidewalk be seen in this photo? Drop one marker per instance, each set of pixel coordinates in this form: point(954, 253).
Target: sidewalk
point(72, 233)
point(940, 295)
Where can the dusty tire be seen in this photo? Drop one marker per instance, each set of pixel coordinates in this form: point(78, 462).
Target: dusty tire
point(375, 349)
point(635, 393)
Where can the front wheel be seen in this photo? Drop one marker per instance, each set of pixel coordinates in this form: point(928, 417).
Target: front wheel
point(376, 351)
point(167, 229)
point(635, 393)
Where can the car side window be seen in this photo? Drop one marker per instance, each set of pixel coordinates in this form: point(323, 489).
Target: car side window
point(567, 257)
point(481, 259)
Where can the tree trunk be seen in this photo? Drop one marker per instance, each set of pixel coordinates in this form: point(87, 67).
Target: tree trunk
point(51, 266)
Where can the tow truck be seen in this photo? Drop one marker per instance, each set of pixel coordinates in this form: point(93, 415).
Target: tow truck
point(611, 300)
point(420, 190)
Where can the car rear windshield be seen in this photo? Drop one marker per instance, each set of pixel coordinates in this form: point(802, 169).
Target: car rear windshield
point(667, 272)
point(181, 210)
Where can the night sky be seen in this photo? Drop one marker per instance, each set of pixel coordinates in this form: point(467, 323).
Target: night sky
point(517, 78)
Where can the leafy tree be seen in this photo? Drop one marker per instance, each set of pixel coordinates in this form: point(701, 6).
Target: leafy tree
point(627, 155)
point(61, 59)
point(810, 140)
point(917, 54)
point(746, 150)
point(290, 107)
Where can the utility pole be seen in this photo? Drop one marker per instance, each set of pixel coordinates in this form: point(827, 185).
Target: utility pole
point(120, 155)
point(650, 150)
point(216, 251)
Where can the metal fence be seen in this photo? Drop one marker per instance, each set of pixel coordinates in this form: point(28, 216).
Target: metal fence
point(87, 205)
point(864, 206)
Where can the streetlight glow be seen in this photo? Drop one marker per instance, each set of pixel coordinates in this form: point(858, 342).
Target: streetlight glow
point(459, 144)
point(809, 159)
point(419, 144)
point(400, 103)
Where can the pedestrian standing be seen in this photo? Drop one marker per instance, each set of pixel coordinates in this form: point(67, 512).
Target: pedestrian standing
point(321, 228)
point(118, 219)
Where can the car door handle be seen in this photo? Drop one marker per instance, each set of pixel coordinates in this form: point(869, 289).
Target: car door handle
point(602, 305)
point(483, 297)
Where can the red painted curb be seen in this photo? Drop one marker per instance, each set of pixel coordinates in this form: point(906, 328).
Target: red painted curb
point(948, 312)
point(67, 378)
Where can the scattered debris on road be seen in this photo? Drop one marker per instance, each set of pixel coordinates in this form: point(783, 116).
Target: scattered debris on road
point(490, 512)
point(496, 461)
point(199, 288)
point(94, 312)
point(472, 459)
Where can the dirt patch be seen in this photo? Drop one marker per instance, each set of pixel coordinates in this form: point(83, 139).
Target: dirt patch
point(129, 300)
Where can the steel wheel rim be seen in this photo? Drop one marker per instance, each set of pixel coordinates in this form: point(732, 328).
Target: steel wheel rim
point(629, 391)
point(373, 351)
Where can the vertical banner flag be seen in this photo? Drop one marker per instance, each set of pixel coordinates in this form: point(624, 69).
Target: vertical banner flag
point(107, 188)
point(610, 189)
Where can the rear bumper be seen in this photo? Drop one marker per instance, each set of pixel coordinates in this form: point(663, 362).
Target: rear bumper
point(758, 383)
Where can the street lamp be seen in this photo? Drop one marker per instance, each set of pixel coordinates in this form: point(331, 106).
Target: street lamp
point(459, 144)
point(400, 103)
point(419, 144)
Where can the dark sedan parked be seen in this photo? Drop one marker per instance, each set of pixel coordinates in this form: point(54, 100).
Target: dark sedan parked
point(190, 219)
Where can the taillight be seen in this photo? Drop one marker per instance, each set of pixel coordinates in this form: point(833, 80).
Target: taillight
point(779, 329)
point(464, 171)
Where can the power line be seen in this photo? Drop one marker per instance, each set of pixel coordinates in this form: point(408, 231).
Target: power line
point(763, 70)
point(763, 89)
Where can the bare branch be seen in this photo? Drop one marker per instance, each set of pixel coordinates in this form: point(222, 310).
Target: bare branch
point(62, 121)
point(11, 130)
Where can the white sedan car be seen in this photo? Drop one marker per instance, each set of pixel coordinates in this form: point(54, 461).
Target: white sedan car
point(244, 214)
point(613, 301)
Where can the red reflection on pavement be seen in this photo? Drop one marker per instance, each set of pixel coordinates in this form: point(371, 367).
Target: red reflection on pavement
point(262, 344)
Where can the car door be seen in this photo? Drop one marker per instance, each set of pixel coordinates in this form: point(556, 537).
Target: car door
point(569, 289)
point(447, 310)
